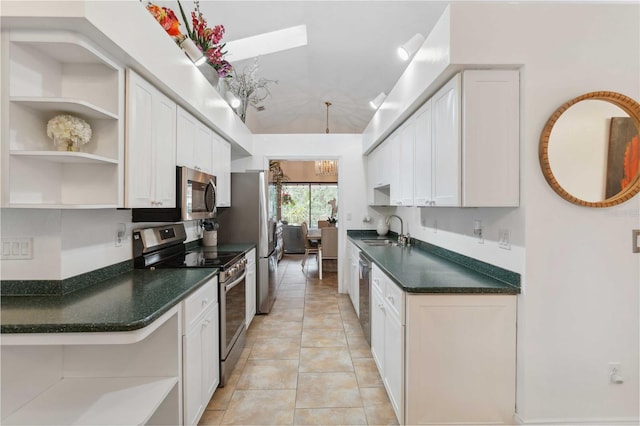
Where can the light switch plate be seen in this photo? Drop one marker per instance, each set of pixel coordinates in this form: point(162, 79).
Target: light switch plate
point(17, 248)
point(504, 239)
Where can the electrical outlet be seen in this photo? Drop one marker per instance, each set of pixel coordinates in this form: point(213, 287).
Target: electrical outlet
point(504, 239)
point(17, 248)
point(120, 233)
point(477, 231)
point(615, 373)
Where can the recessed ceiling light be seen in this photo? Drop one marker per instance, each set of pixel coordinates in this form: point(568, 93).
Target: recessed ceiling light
point(375, 103)
point(263, 44)
point(409, 48)
point(233, 100)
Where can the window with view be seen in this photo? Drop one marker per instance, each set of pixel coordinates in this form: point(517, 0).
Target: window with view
point(307, 202)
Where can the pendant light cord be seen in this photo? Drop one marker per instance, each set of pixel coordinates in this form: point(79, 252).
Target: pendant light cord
point(328, 104)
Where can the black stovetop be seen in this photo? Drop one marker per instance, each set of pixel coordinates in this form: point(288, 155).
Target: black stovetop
point(178, 257)
point(200, 259)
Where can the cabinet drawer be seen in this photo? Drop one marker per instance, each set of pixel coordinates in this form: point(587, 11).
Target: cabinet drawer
point(378, 279)
point(203, 298)
point(378, 283)
point(394, 297)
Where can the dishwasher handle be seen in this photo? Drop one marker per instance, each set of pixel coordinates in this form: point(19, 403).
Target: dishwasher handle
point(365, 267)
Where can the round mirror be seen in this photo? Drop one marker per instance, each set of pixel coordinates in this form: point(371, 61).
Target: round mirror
point(590, 149)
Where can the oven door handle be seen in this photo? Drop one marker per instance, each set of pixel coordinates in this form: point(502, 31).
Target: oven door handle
point(228, 287)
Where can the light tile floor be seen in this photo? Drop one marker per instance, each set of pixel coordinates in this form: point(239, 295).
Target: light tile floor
point(305, 363)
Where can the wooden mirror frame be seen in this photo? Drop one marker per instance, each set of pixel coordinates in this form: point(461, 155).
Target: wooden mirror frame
point(628, 105)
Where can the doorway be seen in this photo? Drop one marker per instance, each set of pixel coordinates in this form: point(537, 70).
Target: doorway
point(304, 191)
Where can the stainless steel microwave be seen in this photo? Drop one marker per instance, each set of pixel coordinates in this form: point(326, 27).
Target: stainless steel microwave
point(195, 199)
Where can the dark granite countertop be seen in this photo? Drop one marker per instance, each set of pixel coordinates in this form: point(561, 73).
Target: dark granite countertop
point(124, 302)
point(424, 268)
point(115, 298)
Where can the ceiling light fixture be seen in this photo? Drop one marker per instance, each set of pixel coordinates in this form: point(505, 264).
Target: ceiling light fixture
point(192, 51)
point(375, 103)
point(233, 100)
point(409, 48)
point(326, 167)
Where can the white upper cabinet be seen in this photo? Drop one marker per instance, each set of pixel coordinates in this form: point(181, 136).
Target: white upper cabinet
point(391, 164)
point(222, 170)
point(407, 156)
point(379, 173)
point(204, 147)
point(151, 146)
point(461, 148)
point(186, 139)
point(446, 144)
point(45, 74)
point(195, 143)
point(400, 163)
point(423, 148)
point(476, 139)
point(491, 135)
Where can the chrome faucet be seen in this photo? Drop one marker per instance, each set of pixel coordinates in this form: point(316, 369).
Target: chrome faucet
point(403, 240)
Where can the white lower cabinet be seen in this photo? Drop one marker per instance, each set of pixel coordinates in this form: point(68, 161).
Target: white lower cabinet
point(200, 351)
point(460, 352)
point(387, 336)
point(352, 278)
point(251, 286)
point(437, 353)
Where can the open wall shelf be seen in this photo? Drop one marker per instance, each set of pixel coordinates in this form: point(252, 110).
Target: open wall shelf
point(52, 73)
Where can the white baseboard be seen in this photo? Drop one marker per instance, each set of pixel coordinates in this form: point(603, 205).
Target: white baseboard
point(594, 422)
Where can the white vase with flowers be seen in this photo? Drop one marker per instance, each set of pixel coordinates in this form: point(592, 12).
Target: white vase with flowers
point(68, 132)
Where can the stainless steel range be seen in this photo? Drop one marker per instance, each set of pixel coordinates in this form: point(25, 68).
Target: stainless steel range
point(163, 247)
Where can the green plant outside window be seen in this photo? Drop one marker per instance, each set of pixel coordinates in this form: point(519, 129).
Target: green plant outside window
point(309, 202)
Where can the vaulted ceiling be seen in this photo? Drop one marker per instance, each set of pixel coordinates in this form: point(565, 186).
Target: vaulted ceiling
point(349, 59)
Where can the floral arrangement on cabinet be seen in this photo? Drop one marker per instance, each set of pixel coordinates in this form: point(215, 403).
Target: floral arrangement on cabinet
point(249, 88)
point(68, 132)
point(206, 39)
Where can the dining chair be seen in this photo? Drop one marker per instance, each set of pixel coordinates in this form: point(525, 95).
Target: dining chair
point(329, 248)
point(309, 247)
point(323, 223)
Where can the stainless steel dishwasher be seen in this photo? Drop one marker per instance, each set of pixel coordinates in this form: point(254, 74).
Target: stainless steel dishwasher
point(364, 298)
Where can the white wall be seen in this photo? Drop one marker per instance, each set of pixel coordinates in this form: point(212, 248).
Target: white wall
point(67, 243)
point(580, 306)
point(346, 148)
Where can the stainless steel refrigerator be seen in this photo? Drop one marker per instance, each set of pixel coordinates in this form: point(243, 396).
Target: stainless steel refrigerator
point(249, 220)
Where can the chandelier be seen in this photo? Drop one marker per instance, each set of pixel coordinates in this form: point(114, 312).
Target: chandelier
point(326, 167)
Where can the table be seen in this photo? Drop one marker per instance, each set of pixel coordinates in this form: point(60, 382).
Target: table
point(315, 235)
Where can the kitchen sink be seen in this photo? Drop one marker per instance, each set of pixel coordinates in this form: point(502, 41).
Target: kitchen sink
point(387, 243)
